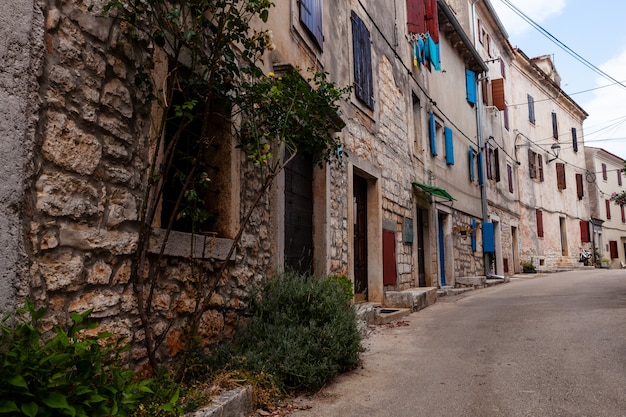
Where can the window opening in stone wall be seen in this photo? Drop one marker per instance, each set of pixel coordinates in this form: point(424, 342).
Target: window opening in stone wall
point(201, 161)
point(535, 165)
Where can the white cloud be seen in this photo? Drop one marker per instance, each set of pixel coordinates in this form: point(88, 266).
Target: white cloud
point(607, 112)
point(537, 10)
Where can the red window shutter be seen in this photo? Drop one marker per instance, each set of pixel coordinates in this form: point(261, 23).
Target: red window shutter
point(389, 258)
point(604, 174)
point(623, 214)
point(540, 164)
point(579, 186)
point(416, 20)
point(613, 249)
point(509, 172)
point(497, 92)
point(619, 177)
point(432, 19)
point(539, 215)
point(560, 176)
point(584, 231)
point(608, 209)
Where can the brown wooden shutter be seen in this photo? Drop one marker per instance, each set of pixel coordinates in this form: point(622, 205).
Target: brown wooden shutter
point(539, 215)
point(489, 153)
point(619, 177)
point(579, 186)
point(574, 140)
point(484, 85)
point(432, 19)
point(623, 214)
point(584, 231)
point(613, 249)
point(607, 203)
point(496, 158)
point(560, 176)
point(604, 174)
point(555, 126)
point(497, 92)
point(389, 258)
point(416, 20)
point(509, 172)
point(532, 168)
point(540, 165)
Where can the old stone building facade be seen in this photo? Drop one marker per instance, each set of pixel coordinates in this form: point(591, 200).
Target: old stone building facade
point(433, 143)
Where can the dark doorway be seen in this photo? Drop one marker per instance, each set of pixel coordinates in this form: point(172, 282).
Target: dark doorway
point(360, 238)
point(442, 254)
point(299, 214)
point(421, 258)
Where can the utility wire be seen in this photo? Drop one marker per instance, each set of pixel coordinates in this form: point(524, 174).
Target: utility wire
point(560, 44)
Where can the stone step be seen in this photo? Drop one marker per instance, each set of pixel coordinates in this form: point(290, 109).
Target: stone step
point(414, 299)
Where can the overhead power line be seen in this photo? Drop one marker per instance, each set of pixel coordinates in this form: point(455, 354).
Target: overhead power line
point(560, 44)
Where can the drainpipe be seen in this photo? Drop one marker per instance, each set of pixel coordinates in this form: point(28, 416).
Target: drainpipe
point(479, 135)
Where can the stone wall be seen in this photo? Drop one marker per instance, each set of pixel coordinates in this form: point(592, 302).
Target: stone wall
point(89, 183)
point(21, 51)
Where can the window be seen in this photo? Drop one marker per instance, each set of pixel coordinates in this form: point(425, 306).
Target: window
point(560, 176)
point(484, 85)
point(509, 174)
point(555, 126)
point(574, 140)
point(502, 68)
point(497, 93)
point(535, 165)
point(531, 109)
point(539, 215)
point(362, 51)
point(481, 32)
point(604, 173)
point(470, 86)
point(607, 203)
point(449, 145)
point(623, 214)
point(432, 133)
point(311, 18)
point(619, 177)
point(493, 163)
point(613, 249)
point(472, 163)
point(584, 232)
point(579, 186)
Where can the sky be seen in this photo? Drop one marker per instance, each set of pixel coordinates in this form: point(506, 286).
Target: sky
point(596, 31)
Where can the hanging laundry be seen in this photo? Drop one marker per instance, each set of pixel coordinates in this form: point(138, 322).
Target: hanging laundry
point(432, 49)
point(415, 55)
point(426, 53)
point(420, 46)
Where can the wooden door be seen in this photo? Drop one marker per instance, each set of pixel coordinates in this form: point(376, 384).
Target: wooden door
point(299, 214)
point(360, 238)
point(421, 258)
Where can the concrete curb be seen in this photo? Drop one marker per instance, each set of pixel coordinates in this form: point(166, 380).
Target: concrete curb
point(233, 403)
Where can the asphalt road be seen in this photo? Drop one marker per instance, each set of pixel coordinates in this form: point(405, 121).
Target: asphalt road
point(550, 345)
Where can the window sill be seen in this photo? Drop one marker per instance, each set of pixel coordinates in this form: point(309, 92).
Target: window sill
point(180, 244)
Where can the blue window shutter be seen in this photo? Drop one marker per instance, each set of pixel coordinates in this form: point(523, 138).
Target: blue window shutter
point(481, 175)
point(472, 172)
point(470, 80)
point(433, 134)
point(474, 235)
point(362, 50)
point(311, 17)
point(489, 238)
point(449, 146)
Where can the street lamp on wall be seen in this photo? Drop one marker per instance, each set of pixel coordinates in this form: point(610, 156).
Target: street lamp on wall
point(555, 149)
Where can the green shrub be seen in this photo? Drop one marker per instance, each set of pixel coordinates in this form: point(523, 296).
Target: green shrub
point(303, 331)
point(66, 374)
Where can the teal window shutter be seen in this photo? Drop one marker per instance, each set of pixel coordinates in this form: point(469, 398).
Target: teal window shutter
point(470, 80)
point(474, 235)
point(472, 171)
point(449, 146)
point(481, 175)
point(489, 238)
point(433, 134)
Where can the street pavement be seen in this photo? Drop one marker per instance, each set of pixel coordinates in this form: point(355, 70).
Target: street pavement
point(541, 345)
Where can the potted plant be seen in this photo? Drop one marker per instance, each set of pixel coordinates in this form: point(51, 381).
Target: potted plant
point(604, 263)
point(462, 230)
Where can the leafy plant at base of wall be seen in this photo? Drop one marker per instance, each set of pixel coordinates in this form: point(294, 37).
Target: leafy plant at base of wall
point(68, 374)
point(528, 266)
point(214, 69)
point(303, 331)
